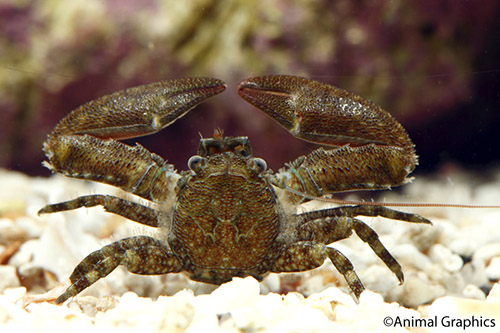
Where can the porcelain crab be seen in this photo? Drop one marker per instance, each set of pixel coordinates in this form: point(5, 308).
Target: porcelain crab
point(223, 217)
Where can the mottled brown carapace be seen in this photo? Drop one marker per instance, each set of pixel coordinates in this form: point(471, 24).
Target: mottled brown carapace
point(223, 216)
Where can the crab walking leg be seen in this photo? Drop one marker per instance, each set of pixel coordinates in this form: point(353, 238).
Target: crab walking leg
point(331, 229)
point(303, 256)
point(329, 225)
point(82, 144)
point(370, 237)
point(362, 210)
point(140, 255)
point(128, 209)
point(345, 267)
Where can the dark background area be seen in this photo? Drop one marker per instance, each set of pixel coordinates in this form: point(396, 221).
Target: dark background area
point(434, 66)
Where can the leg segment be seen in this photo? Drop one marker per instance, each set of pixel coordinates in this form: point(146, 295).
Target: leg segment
point(140, 255)
point(369, 236)
point(326, 230)
point(361, 210)
point(303, 256)
point(133, 169)
point(128, 209)
point(347, 168)
point(344, 266)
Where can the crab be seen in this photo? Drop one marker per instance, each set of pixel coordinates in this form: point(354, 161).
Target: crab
point(229, 215)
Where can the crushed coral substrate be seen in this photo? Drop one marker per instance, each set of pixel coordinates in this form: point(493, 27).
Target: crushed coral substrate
point(451, 268)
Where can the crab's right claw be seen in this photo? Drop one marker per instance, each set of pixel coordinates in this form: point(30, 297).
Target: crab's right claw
point(375, 152)
point(83, 144)
point(139, 110)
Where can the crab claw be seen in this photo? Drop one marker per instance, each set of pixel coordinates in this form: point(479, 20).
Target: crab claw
point(82, 145)
point(323, 114)
point(140, 110)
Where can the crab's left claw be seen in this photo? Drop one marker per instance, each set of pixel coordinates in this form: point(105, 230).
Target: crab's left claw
point(323, 114)
point(375, 151)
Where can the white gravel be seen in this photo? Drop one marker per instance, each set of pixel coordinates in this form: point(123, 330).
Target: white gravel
point(451, 271)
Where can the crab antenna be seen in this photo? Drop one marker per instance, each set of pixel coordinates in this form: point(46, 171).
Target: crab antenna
point(385, 204)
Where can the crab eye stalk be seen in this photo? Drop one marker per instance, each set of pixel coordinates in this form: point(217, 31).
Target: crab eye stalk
point(259, 165)
point(196, 163)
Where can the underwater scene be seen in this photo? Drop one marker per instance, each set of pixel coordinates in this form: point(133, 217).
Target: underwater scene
point(291, 166)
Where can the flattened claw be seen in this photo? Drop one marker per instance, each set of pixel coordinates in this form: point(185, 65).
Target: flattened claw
point(81, 145)
point(323, 114)
point(140, 110)
point(375, 152)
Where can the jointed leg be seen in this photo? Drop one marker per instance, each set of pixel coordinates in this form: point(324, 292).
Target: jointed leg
point(351, 211)
point(325, 230)
point(344, 266)
point(302, 256)
point(140, 255)
point(128, 209)
point(330, 225)
point(369, 236)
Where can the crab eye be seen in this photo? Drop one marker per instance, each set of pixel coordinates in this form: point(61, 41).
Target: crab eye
point(196, 163)
point(259, 165)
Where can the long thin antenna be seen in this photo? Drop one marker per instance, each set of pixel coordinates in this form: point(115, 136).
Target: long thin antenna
point(385, 204)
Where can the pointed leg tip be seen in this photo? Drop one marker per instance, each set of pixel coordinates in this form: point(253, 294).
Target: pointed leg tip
point(44, 210)
point(62, 298)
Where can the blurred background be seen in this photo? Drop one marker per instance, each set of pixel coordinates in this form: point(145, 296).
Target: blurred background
point(435, 65)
